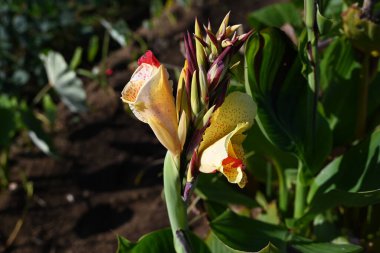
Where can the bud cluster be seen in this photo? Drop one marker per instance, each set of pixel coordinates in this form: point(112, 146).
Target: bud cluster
point(203, 82)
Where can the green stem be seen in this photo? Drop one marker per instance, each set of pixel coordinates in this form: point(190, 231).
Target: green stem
point(176, 207)
point(300, 196)
point(314, 75)
point(41, 93)
point(282, 190)
point(361, 117)
point(269, 180)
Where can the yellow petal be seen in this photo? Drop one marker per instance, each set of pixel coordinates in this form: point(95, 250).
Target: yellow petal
point(141, 75)
point(237, 108)
point(235, 175)
point(154, 104)
point(212, 157)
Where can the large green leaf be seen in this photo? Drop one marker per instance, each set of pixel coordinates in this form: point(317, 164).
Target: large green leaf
point(340, 80)
point(349, 180)
point(244, 234)
point(247, 235)
point(213, 187)
point(274, 79)
point(276, 15)
point(158, 242)
point(217, 246)
point(64, 81)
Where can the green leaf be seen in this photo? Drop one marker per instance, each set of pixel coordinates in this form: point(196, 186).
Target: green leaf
point(36, 132)
point(349, 180)
point(324, 24)
point(123, 244)
point(50, 108)
point(76, 59)
point(214, 188)
point(243, 234)
point(263, 151)
point(93, 48)
point(338, 60)
point(64, 81)
point(117, 31)
point(340, 81)
point(326, 248)
point(217, 246)
point(270, 248)
point(214, 209)
point(355, 171)
point(158, 242)
point(276, 15)
point(155, 242)
point(274, 79)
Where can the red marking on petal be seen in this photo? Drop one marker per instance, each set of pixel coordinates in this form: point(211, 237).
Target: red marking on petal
point(149, 58)
point(236, 163)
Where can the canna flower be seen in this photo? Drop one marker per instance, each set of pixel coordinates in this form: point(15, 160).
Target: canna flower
point(221, 148)
point(149, 95)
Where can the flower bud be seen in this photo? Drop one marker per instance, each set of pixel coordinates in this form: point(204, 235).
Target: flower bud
point(149, 95)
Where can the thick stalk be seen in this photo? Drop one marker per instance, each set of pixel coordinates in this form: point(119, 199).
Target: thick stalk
point(300, 198)
point(175, 204)
point(361, 117)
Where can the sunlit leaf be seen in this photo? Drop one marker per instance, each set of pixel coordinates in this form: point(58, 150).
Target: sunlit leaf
point(93, 48)
point(64, 81)
point(50, 108)
point(217, 246)
point(244, 234)
point(117, 31)
point(76, 59)
point(276, 15)
point(158, 242)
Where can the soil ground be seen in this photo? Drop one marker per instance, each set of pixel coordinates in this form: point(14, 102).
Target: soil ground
point(107, 178)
